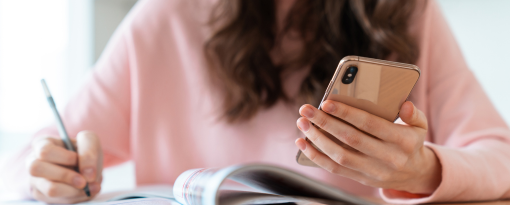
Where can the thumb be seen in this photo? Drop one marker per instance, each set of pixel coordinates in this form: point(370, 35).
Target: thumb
point(412, 115)
point(89, 155)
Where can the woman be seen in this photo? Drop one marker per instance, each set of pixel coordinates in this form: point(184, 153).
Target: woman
point(183, 85)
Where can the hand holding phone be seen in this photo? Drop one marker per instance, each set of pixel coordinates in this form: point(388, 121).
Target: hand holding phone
point(353, 134)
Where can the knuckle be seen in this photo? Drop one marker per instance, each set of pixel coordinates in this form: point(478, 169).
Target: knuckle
point(368, 124)
point(70, 158)
point(417, 141)
point(67, 177)
point(408, 146)
point(322, 122)
point(314, 137)
point(384, 177)
point(313, 156)
point(89, 157)
point(35, 168)
point(399, 164)
point(45, 152)
point(53, 190)
point(39, 195)
point(408, 150)
point(398, 138)
point(344, 112)
point(352, 139)
point(336, 170)
point(330, 168)
point(341, 159)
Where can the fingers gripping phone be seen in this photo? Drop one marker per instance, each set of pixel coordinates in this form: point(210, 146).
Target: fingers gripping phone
point(376, 86)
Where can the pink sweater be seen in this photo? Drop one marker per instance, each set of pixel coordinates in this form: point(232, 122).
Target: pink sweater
point(150, 101)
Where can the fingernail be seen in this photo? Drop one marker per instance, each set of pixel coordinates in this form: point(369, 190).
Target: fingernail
point(78, 181)
point(301, 145)
point(94, 188)
point(89, 174)
point(303, 125)
point(307, 112)
point(328, 107)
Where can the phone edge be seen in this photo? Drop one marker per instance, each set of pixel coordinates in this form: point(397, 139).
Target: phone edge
point(326, 93)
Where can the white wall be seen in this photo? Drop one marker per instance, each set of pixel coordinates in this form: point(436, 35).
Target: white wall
point(107, 16)
point(482, 29)
point(58, 40)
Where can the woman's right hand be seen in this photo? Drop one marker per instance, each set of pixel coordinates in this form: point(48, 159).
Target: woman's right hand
point(53, 178)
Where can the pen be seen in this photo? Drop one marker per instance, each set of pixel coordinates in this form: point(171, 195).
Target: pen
point(61, 128)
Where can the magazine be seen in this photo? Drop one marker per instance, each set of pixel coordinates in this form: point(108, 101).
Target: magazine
point(238, 184)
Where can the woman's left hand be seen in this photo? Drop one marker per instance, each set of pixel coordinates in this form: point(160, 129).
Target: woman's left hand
point(384, 154)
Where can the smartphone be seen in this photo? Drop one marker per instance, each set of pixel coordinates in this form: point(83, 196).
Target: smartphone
point(376, 86)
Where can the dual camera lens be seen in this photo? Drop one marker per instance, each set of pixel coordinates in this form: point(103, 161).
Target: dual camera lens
point(349, 75)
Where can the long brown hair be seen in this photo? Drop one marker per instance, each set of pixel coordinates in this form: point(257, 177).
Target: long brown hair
point(239, 49)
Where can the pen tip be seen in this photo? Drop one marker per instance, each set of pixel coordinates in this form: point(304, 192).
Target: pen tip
point(87, 191)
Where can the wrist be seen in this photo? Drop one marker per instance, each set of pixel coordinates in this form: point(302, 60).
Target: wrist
point(430, 178)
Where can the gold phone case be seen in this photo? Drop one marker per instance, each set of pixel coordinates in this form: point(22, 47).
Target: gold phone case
point(379, 87)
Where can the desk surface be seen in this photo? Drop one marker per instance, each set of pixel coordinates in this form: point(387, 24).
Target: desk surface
point(501, 202)
point(506, 202)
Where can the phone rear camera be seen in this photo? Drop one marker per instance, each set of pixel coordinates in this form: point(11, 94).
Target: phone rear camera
point(349, 75)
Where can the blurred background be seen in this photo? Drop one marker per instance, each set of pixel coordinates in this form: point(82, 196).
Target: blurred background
point(60, 40)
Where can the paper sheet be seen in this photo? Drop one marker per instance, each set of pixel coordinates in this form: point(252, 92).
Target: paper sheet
point(143, 201)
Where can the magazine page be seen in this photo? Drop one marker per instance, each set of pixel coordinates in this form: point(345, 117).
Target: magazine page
point(241, 197)
point(140, 201)
point(202, 186)
point(190, 185)
point(148, 191)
